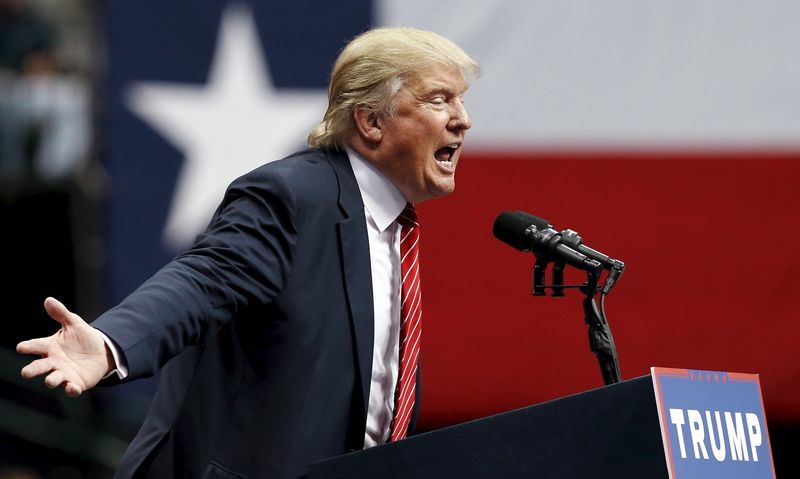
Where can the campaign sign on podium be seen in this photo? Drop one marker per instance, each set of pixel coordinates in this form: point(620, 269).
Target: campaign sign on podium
point(712, 424)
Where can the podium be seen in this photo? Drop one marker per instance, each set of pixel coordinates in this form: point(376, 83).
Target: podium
point(610, 432)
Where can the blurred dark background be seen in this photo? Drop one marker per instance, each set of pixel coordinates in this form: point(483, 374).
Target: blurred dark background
point(51, 199)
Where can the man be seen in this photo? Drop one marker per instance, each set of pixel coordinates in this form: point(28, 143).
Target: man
point(279, 331)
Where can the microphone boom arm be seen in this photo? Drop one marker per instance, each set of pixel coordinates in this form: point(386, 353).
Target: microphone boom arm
point(601, 342)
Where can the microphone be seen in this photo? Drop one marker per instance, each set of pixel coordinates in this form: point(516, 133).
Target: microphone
point(530, 234)
point(573, 240)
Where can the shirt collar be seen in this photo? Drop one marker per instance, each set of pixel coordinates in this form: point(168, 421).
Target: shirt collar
point(381, 198)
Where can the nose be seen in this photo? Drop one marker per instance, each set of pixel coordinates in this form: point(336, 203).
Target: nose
point(460, 118)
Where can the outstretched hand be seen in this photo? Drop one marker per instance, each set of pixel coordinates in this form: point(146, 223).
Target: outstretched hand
point(76, 356)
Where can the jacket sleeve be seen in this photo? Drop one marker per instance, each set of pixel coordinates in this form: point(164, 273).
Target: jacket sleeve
point(243, 258)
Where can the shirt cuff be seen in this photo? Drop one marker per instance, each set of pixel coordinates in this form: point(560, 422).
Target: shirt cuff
point(119, 359)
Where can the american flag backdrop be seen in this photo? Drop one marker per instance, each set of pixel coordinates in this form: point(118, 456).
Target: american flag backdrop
point(666, 133)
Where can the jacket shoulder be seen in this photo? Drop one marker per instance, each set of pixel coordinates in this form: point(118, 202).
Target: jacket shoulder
point(310, 164)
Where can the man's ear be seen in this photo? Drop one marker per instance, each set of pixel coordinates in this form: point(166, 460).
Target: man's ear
point(369, 125)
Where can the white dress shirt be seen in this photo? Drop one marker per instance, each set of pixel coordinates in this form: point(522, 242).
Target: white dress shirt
point(383, 203)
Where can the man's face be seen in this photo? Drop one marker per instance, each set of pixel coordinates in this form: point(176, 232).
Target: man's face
point(421, 142)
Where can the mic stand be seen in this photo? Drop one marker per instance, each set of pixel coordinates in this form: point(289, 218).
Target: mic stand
point(601, 342)
point(539, 270)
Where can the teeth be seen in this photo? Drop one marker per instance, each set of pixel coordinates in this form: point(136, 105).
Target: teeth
point(444, 156)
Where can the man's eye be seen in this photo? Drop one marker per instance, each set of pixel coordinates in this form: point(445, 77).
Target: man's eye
point(438, 100)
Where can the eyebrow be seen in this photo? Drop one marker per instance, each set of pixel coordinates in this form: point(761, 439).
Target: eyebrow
point(429, 90)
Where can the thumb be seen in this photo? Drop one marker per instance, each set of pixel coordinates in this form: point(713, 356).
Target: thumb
point(59, 312)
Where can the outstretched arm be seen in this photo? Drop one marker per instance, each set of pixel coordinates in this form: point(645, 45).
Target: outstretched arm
point(243, 258)
point(76, 356)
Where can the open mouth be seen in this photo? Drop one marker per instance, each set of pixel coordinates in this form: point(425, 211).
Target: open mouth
point(444, 156)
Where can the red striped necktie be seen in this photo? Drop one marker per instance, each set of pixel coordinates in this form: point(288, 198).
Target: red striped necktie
point(410, 323)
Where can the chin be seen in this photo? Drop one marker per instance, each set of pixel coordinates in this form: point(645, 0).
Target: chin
point(443, 190)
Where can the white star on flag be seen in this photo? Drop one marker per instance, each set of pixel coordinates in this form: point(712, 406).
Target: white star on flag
point(235, 123)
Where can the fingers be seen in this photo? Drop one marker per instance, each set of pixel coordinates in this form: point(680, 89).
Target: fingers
point(39, 346)
point(37, 368)
point(54, 379)
point(73, 389)
point(59, 312)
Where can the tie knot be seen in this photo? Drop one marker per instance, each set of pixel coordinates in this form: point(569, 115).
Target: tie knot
point(408, 217)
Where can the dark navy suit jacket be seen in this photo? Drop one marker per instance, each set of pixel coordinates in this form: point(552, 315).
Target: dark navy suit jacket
point(264, 330)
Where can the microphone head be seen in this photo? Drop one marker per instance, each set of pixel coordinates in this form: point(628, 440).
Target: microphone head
point(514, 230)
point(539, 223)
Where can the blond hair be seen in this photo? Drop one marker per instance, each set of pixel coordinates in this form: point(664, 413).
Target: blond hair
point(371, 70)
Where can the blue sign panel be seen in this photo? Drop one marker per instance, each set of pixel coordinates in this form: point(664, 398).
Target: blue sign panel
point(712, 424)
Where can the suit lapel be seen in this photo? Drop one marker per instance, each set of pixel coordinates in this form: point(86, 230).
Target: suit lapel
point(354, 245)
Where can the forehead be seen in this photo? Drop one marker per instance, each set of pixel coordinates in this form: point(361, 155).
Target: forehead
point(438, 77)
